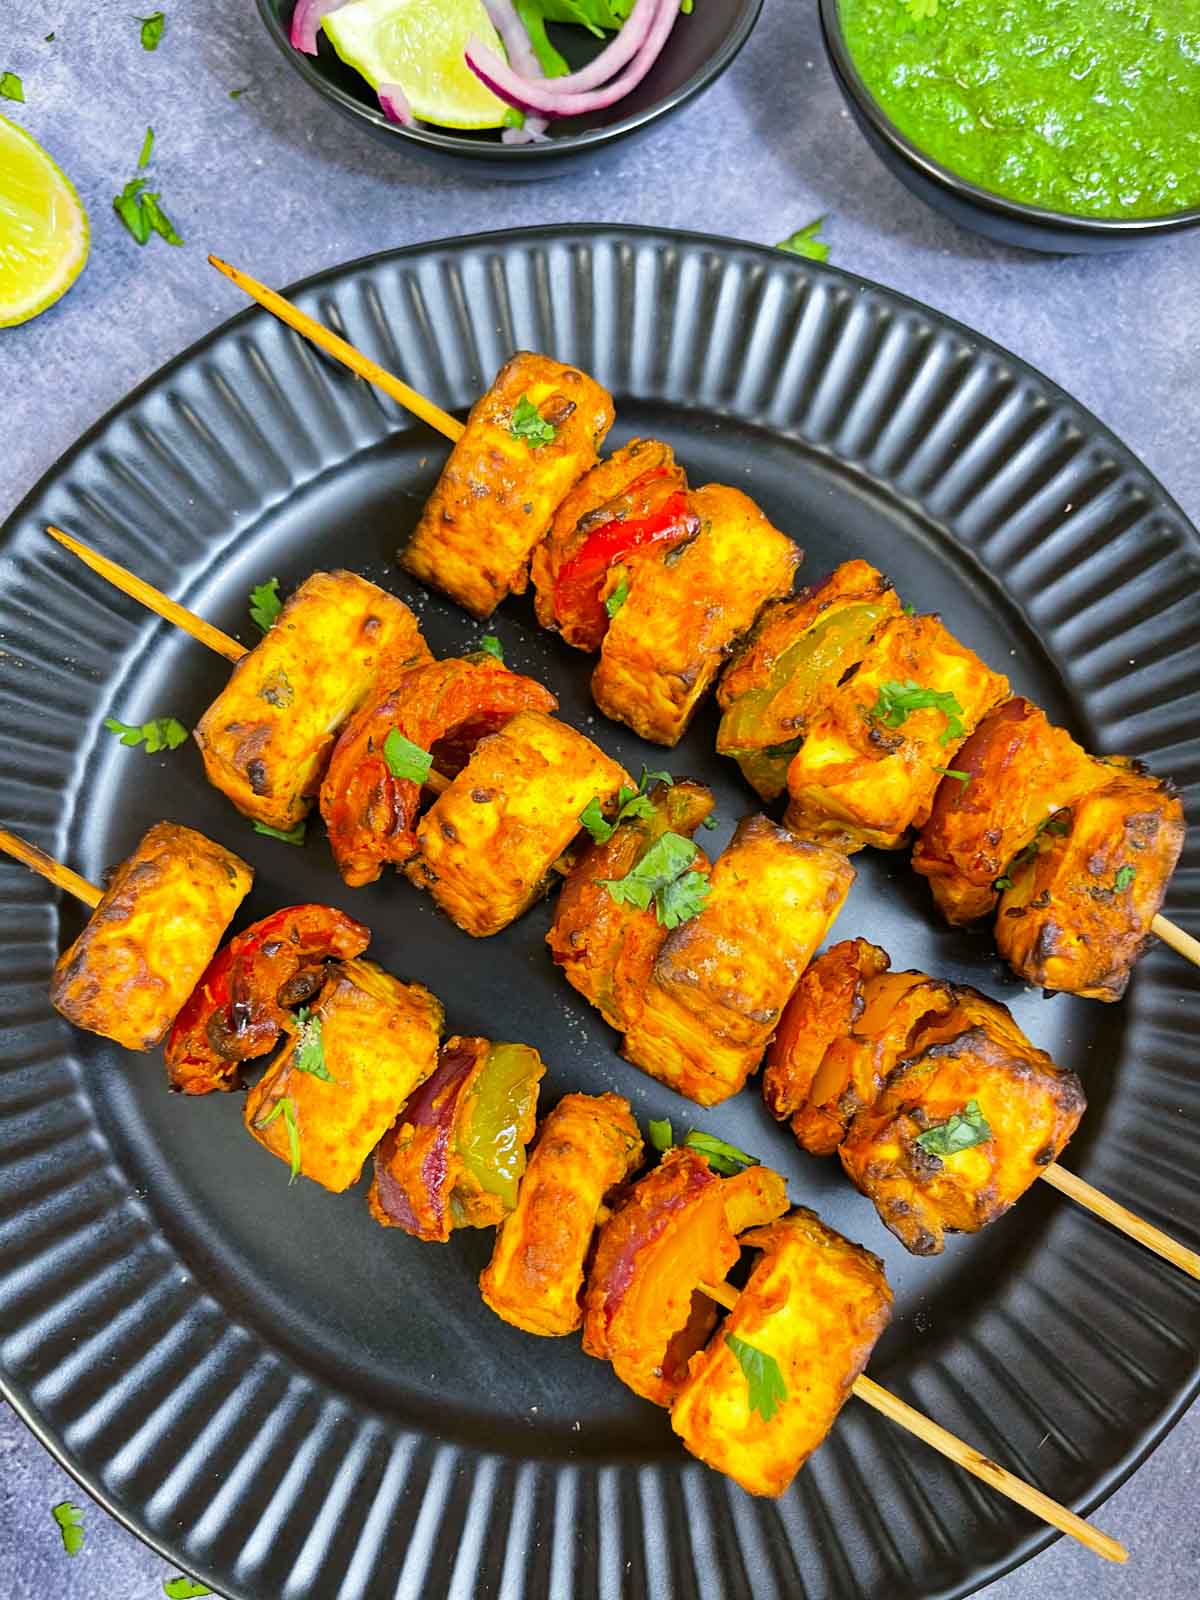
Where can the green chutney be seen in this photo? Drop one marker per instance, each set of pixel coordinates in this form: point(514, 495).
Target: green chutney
point(1085, 106)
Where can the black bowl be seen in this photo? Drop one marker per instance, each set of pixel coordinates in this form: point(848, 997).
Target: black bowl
point(701, 46)
point(964, 202)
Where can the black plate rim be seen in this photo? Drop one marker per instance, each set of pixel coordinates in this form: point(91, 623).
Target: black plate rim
point(583, 232)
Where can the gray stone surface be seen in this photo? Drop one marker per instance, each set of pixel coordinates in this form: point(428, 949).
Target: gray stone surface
point(276, 182)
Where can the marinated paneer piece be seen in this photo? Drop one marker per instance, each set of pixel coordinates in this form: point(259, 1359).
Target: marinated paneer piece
point(722, 979)
point(147, 943)
point(487, 845)
point(456, 1153)
point(1081, 904)
point(267, 736)
point(586, 1147)
point(668, 1234)
point(875, 748)
point(443, 708)
point(1009, 778)
point(798, 648)
point(972, 1115)
point(607, 947)
point(528, 441)
point(585, 508)
point(326, 1101)
point(687, 606)
point(766, 1390)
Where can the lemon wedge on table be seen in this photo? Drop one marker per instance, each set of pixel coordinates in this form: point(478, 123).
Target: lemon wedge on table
point(419, 45)
point(43, 228)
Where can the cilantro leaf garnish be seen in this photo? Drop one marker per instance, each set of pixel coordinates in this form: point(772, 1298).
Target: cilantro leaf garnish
point(11, 87)
point(1124, 877)
point(285, 1106)
point(406, 759)
point(147, 148)
point(309, 1054)
point(70, 1525)
point(648, 777)
point(709, 822)
point(618, 597)
point(630, 803)
point(682, 899)
point(661, 1137)
point(529, 424)
point(1057, 823)
point(1003, 882)
point(663, 877)
point(161, 733)
point(292, 836)
point(764, 1381)
point(897, 702)
point(951, 772)
point(807, 241)
point(184, 1589)
point(236, 94)
point(721, 1156)
point(160, 222)
point(596, 823)
point(492, 646)
point(962, 1131)
point(152, 29)
point(142, 214)
point(265, 604)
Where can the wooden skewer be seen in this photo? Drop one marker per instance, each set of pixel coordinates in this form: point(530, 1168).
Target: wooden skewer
point(1182, 943)
point(1099, 1204)
point(337, 347)
point(38, 861)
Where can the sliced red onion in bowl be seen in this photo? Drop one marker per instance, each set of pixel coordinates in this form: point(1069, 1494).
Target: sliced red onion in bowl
point(514, 38)
point(394, 103)
point(532, 131)
point(306, 19)
point(616, 54)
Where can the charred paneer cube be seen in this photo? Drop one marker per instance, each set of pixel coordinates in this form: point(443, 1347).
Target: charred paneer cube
point(487, 845)
point(767, 1388)
point(970, 1117)
point(528, 440)
point(1014, 772)
point(326, 1101)
point(147, 943)
point(797, 649)
point(1076, 912)
point(268, 735)
point(876, 747)
point(585, 1148)
point(687, 605)
point(722, 978)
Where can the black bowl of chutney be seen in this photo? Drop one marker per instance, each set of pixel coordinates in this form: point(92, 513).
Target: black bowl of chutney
point(1068, 217)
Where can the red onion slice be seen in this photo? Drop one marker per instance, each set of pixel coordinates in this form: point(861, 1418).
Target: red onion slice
point(533, 132)
point(520, 53)
point(394, 103)
point(306, 19)
point(615, 55)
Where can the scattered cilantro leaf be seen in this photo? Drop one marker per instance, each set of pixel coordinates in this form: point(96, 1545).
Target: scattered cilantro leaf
point(184, 1589)
point(764, 1381)
point(147, 148)
point(292, 836)
point(265, 604)
point(70, 1525)
point(721, 1156)
point(142, 214)
point(1057, 823)
point(1124, 877)
point(630, 803)
point(160, 222)
point(529, 424)
point(152, 29)
point(596, 823)
point(661, 1137)
point(492, 646)
point(709, 822)
point(663, 878)
point(1003, 882)
point(236, 94)
point(897, 702)
point(309, 1054)
point(952, 772)
point(909, 609)
point(49, 39)
point(406, 759)
point(286, 1107)
point(807, 241)
point(11, 87)
point(648, 777)
point(618, 597)
point(162, 733)
point(962, 1131)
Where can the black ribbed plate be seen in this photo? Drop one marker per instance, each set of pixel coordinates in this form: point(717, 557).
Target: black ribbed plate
point(292, 1402)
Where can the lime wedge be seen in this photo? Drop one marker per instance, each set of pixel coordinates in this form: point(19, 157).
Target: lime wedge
point(419, 44)
point(43, 228)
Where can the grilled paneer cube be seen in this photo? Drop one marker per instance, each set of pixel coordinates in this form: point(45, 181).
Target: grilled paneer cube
point(669, 1233)
point(721, 979)
point(1014, 772)
point(687, 605)
point(607, 947)
point(528, 440)
point(969, 1119)
point(1081, 904)
point(585, 507)
point(764, 1393)
point(486, 846)
point(146, 945)
point(326, 1101)
point(267, 736)
point(876, 746)
point(586, 1147)
point(797, 649)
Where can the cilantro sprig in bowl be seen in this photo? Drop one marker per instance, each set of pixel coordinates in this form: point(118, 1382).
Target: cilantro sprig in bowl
point(555, 37)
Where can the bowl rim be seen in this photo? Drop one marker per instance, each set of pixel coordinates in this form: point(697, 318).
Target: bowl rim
point(1044, 217)
point(453, 142)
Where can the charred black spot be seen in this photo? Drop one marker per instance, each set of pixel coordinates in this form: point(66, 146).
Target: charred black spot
point(256, 776)
point(301, 987)
point(449, 831)
point(482, 796)
point(557, 409)
point(1044, 1156)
